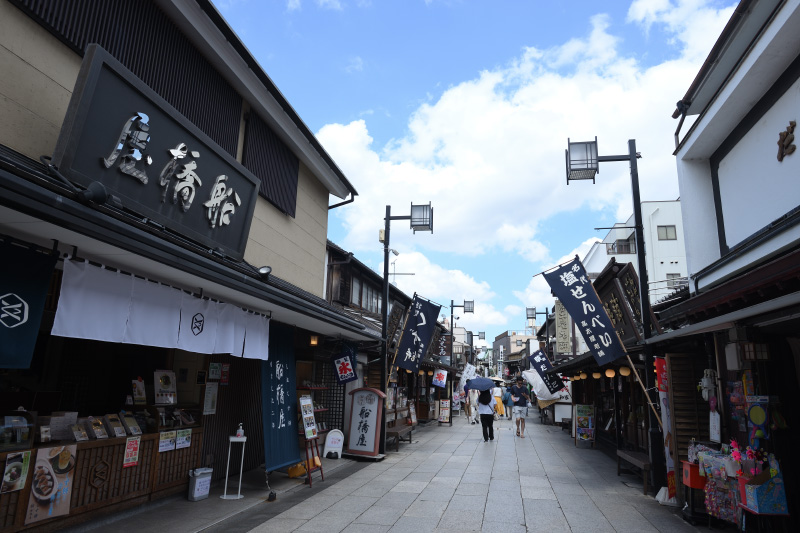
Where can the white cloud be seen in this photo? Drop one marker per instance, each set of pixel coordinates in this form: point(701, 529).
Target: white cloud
point(356, 64)
point(330, 4)
point(293, 5)
point(488, 152)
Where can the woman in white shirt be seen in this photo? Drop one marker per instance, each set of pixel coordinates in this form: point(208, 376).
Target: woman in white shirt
point(497, 392)
point(486, 405)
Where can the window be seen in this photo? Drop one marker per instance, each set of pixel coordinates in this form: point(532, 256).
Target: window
point(356, 292)
point(676, 281)
point(621, 246)
point(667, 233)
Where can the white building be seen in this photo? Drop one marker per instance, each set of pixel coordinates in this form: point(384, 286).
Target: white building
point(665, 253)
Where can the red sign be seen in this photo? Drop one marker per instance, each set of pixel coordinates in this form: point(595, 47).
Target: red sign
point(226, 374)
point(131, 452)
point(661, 374)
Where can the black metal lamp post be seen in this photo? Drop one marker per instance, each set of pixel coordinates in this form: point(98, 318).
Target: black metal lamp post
point(530, 312)
point(470, 340)
point(421, 218)
point(469, 307)
point(583, 164)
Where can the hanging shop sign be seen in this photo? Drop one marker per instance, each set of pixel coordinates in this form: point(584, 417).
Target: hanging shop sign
point(563, 334)
point(440, 378)
point(344, 364)
point(51, 488)
point(541, 364)
point(366, 418)
point(24, 281)
point(120, 133)
point(572, 287)
point(279, 400)
point(417, 334)
point(443, 348)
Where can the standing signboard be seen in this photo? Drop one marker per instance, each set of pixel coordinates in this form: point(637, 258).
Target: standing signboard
point(444, 411)
point(307, 412)
point(584, 417)
point(366, 418)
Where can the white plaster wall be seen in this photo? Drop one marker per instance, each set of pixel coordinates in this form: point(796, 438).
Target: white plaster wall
point(756, 188)
point(667, 256)
point(698, 215)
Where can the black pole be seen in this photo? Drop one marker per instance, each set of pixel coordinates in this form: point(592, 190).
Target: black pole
point(655, 438)
point(452, 334)
point(385, 323)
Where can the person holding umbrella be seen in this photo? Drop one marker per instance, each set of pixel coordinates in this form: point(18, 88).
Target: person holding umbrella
point(486, 405)
point(520, 397)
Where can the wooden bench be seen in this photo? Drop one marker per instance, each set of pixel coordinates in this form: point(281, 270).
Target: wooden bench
point(398, 431)
point(637, 459)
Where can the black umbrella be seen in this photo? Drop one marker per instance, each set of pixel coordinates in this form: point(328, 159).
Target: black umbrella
point(479, 384)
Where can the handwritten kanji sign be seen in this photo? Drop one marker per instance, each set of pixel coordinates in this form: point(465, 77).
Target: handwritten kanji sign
point(440, 378)
point(417, 334)
point(573, 288)
point(541, 363)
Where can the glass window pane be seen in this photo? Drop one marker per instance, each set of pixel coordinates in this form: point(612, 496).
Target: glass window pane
point(356, 292)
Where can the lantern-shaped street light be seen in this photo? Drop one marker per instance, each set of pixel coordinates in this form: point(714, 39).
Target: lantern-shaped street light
point(583, 164)
point(421, 219)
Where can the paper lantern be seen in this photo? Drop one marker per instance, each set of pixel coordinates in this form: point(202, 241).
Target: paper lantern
point(596, 375)
point(583, 375)
point(610, 373)
point(624, 371)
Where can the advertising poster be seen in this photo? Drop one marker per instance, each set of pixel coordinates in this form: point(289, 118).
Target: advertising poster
point(131, 452)
point(51, 487)
point(166, 441)
point(183, 438)
point(215, 370)
point(210, 399)
point(139, 392)
point(444, 411)
point(164, 383)
point(307, 412)
point(585, 422)
point(225, 374)
point(16, 471)
point(662, 383)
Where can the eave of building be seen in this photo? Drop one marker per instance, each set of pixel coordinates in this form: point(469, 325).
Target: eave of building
point(759, 43)
point(203, 25)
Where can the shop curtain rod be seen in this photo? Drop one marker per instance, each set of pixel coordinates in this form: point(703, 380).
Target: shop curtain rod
point(74, 257)
point(555, 267)
point(29, 245)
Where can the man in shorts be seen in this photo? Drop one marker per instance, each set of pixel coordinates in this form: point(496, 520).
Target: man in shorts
point(520, 397)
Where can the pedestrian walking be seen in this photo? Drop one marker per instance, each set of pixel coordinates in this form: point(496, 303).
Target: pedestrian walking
point(520, 397)
point(497, 392)
point(509, 404)
point(473, 403)
point(486, 405)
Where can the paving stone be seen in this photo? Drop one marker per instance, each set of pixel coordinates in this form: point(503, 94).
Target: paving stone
point(538, 493)
point(366, 528)
point(427, 509)
point(410, 486)
point(413, 524)
point(279, 524)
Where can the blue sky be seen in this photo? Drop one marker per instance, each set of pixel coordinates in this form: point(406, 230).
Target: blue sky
point(468, 105)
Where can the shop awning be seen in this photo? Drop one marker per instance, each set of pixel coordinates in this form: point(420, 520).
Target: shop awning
point(34, 207)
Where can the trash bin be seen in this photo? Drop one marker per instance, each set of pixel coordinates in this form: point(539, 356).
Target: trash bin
point(199, 484)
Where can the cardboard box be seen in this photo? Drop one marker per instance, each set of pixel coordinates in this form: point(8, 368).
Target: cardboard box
point(766, 495)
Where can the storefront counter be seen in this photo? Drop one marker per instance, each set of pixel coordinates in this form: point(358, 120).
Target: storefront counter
point(101, 484)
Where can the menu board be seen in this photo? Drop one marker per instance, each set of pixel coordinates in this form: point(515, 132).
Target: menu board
point(444, 411)
point(210, 398)
point(166, 441)
point(51, 488)
point(16, 471)
point(183, 438)
point(584, 422)
point(164, 386)
point(307, 412)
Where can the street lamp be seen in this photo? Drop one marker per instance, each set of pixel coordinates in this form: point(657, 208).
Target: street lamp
point(583, 164)
point(470, 339)
point(421, 219)
point(469, 307)
point(530, 312)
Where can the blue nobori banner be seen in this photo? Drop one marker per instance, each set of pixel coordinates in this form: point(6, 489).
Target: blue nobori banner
point(541, 363)
point(417, 334)
point(572, 287)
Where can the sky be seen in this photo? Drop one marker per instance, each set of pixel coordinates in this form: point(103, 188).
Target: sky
point(468, 105)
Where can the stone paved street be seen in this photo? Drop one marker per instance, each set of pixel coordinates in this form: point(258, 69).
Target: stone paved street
point(450, 480)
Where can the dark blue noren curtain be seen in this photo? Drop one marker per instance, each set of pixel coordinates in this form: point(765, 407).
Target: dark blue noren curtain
point(24, 281)
point(279, 400)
